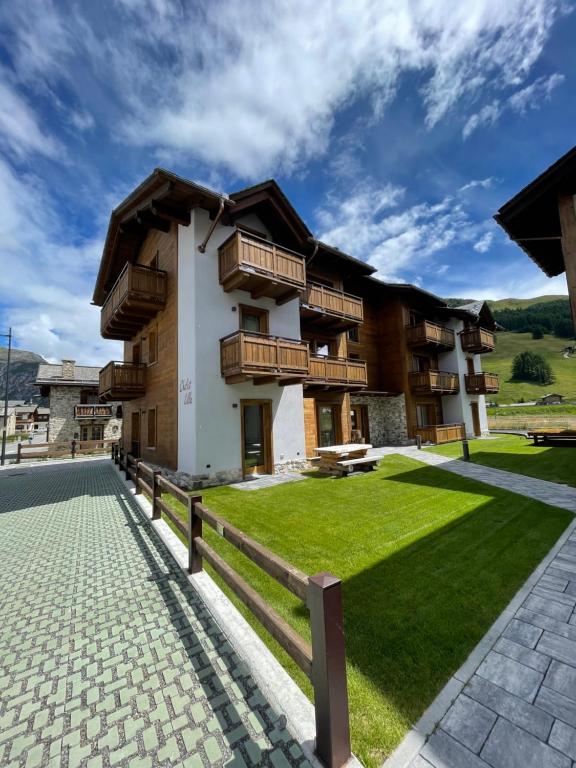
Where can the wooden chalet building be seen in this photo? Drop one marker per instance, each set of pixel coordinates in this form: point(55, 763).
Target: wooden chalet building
point(248, 343)
point(541, 219)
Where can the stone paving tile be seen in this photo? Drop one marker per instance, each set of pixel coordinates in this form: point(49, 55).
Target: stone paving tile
point(108, 657)
point(514, 677)
point(508, 746)
point(469, 722)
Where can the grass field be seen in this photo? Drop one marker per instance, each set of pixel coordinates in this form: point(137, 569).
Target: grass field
point(428, 561)
point(510, 344)
point(517, 454)
point(533, 417)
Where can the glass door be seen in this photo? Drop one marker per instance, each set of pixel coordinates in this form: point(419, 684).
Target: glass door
point(256, 438)
point(326, 425)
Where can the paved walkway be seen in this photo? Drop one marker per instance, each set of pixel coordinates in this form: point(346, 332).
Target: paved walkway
point(108, 657)
point(557, 495)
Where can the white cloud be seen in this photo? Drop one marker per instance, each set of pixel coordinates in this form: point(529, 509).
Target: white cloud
point(474, 183)
point(483, 245)
point(81, 120)
point(486, 116)
point(520, 279)
point(47, 281)
point(20, 131)
point(255, 88)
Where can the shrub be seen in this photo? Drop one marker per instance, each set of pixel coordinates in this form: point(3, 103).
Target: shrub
point(537, 332)
point(530, 366)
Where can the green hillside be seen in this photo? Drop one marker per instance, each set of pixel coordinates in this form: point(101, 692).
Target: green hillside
point(524, 303)
point(510, 344)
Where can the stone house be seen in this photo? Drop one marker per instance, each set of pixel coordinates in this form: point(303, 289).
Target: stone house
point(75, 409)
point(11, 421)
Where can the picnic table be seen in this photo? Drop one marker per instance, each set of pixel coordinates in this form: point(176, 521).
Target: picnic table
point(341, 459)
point(547, 436)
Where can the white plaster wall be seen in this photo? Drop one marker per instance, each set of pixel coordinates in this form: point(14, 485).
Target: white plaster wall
point(206, 314)
point(456, 408)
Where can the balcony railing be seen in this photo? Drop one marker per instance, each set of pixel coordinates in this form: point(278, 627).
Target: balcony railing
point(340, 372)
point(260, 267)
point(440, 433)
point(428, 334)
point(92, 411)
point(482, 383)
point(138, 294)
point(477, 340)
point(245, 355)
point(329, 307)
point(435, 381)
point(122, 381)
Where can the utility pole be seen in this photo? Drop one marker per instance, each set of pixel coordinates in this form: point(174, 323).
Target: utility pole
point(4, 435)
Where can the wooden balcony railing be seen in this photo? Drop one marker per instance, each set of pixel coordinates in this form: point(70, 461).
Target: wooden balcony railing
point(477, 340)
point(245, 355)
point(430, 334)
point(122, 381)
point(92, 411)
point(327, 306)
point(338, 372)
point(138, 294)
point(482, 383)
point(435, 381)
point(440, 433)
point(250, 263)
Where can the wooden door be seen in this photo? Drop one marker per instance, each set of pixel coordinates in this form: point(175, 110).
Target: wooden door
point(256, 418)
point(328, 418)
point(359, 423)
point(470, 364)
point(135, 434)
point(475, 419)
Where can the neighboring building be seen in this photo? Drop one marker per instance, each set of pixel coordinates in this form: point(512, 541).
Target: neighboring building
point(42, 419)
point(76, 412)
point(551, 399)
point(25, 416)
point(11, 421)
point(541, 219)
point(247, 343)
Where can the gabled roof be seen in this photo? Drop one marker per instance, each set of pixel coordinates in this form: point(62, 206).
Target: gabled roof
point(531, 217)
point(478, 311)
point(51, 374)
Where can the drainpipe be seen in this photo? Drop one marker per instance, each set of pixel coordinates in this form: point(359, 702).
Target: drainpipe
point(314, 252)
point(202, 246)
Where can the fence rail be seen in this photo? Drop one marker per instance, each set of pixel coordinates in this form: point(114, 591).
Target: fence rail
point(58, 450)
point(324, 660)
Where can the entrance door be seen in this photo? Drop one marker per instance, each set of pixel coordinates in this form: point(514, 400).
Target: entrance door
point(359, 421)
point(327, 434)
point(135, 434)
point(256, 437)
point(475, 419)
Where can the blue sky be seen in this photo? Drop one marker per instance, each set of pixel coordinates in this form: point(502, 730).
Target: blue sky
point(396, 128)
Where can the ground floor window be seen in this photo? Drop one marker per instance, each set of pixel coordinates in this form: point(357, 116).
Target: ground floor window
point(425, 416)
point(327, 424)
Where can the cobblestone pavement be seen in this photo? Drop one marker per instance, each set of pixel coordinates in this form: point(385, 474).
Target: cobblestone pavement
point(108, 657)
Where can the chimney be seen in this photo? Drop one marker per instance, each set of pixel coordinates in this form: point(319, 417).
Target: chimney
point(68, 367)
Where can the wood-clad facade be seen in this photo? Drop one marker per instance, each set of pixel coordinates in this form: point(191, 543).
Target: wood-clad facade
point(248, 343)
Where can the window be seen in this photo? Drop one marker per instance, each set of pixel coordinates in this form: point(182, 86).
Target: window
point(420, 363)
point(322, 348)
point(152, 347)
point(353, 335)
point(253, 319)
point(424, 415)
point(151, 428)
point(136, 353)
point(321, 280)
point(97, 432)
point(415, 318)
point(354, 356)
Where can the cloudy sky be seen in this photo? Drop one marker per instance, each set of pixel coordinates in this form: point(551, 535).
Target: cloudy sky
point(396, 127)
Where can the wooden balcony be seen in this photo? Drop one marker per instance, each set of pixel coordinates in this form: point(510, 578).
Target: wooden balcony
point(249, 263)
point(122, 381)
point(92, 411)
point(428, 334)
point(338, 373)
point(440, 433)
point(477, 340)
point(331, 309)
point(138, 295)
point(482, 383)
point(245, 355)
point(430, 382)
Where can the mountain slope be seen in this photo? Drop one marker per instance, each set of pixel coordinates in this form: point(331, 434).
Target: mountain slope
point(524, 303)
point(23, 369)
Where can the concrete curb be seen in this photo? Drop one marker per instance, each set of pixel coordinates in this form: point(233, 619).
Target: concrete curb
point(415, 739)
point(275, 683)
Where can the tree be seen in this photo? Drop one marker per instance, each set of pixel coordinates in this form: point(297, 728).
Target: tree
point(537, 332)
point(564, 329)
point(530, 366)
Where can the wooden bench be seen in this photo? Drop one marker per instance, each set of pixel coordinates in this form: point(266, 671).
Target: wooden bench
point(365, 464)
point(545, 437)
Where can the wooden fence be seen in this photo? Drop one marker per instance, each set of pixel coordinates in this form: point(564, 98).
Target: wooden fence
point(324, 661)
point(58, 450)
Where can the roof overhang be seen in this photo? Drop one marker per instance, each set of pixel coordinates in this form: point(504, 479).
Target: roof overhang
point(160, 200)
point(531, 217)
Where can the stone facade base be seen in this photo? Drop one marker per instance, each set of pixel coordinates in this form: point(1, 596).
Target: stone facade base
point(386, 419)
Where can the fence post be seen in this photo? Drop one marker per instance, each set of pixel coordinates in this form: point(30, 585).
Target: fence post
point(73, 449)
point(19, 454)
point(137, 489)
point(329, 670)
point(194, 531)
point(419, 442)
point(465, 446)
point(127, 466)
point(156, 494)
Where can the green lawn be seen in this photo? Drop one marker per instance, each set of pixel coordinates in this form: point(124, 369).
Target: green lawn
point(428, 561)
point(517, 454)
point(510, 344)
